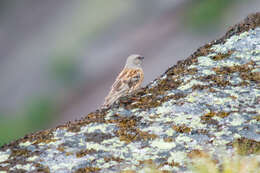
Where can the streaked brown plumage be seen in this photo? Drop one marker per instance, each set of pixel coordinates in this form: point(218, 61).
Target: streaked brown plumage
point(127, 81)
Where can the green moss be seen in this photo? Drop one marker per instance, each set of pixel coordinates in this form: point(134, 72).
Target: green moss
point(128, 130)
point(181, 129)
point(87, 170)
point(199, 87)
point(168, 139)
point(19, 152)
point(116, 159)
point(217, 80)
point(93, 117)
point(202, 51)
point(85, 152)
point(207, 118)
point(149, 100)
point(253, 76)
point(221, 56)
point(61, 148)
point(41, 168)
point(223, 114)
point(42, 137)
point(74, 129)
point(208, 115)
point(236, 68)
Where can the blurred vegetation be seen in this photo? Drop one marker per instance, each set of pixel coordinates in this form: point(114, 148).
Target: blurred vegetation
point(36, 115)
point(204, 15)
point(65, 70)
point(83, 25)
point(207, 164)
point(38, 112)
point(234, 164)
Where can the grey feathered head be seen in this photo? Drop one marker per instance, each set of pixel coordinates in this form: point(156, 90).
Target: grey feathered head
point(134, 61)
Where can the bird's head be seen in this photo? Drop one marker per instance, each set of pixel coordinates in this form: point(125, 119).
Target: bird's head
point(134, 61)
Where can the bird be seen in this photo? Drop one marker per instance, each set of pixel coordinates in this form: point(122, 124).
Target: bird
point(129, 80)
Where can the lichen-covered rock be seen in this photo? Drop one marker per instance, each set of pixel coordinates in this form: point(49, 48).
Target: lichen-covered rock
point(208, 102)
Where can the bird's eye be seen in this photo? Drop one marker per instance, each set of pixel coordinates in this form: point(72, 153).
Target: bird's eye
point(141, 57)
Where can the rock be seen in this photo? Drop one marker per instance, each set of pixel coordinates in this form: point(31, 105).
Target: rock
point(208, 102)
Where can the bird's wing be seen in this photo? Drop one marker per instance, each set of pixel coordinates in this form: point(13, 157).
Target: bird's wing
point(127, 81)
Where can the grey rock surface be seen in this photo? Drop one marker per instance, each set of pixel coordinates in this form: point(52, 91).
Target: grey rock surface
point(207, 102)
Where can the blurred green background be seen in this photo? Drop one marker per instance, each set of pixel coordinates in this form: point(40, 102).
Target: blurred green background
point(58, 59)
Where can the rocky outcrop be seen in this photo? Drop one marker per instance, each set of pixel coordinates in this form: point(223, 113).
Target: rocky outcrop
point(208, 102)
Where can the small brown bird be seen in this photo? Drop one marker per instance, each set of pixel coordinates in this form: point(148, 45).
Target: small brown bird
point(127, 81)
